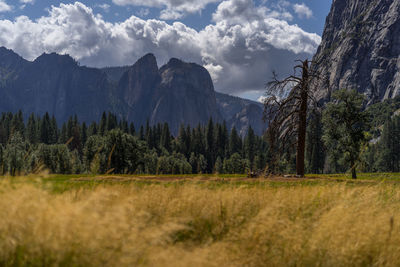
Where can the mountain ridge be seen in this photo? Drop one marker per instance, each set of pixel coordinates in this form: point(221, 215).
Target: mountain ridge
point(176, 93)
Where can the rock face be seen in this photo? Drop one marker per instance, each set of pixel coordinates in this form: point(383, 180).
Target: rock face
point(177, 93)
point(360, 49)
point(185, 94)
point(54, 84)
point(241, 113)
point(137, 87)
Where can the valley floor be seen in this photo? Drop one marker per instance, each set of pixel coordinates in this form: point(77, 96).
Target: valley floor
point(200, 221)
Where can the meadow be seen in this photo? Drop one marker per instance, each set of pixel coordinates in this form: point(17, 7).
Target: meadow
point(200, 221)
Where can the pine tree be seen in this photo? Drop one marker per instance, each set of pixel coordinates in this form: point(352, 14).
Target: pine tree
point(84, 135)
point(92, 130)
point(210, 146)
point(63, 134)
point(250, 146)
point(166, 138)
point(45, 130)
point(315, 155)
point(53, 130)
point(141, 133)
point(132, 129)
point(235, 143)
point(31, 134)
point(17, 123)
point(103, 124)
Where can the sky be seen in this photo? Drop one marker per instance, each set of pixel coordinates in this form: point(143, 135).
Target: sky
point(240, 42)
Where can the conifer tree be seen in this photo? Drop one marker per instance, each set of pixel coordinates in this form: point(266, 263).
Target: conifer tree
point(315, 155)
point(31, 134)
point(250, 146)
point(103, 124)
point(166, 138)
point(45, 130)
point(235, 143)
point(132, 130)
point(210, 146)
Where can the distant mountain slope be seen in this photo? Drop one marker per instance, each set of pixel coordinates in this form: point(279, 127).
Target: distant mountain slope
point(241, 113)
point(177, 93)
point(360, 49)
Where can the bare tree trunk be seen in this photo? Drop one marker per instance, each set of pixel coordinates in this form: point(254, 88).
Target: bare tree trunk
point(301, 138)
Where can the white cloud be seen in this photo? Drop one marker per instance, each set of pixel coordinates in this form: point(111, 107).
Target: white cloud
point(143, 12)
point(303, 11)
point(105, 7)
point(240, 49)
point(4, 7)
point(27, 1)
point(171, 9)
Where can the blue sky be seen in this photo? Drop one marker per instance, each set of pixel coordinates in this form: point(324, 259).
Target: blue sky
point(239, 41)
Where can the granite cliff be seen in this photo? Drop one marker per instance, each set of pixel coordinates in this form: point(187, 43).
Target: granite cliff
point(360, 49)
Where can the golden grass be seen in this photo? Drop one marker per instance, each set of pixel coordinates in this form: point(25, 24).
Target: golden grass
point(191, 225)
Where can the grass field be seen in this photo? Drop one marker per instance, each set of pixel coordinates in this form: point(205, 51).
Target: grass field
point(200, 221)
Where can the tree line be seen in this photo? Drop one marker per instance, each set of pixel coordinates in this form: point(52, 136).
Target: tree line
point(116, 146)
point(342, 137)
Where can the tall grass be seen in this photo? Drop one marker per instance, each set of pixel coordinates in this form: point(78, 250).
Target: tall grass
point(189, 225)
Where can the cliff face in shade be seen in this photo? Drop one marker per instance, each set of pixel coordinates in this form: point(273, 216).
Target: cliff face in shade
point(54, 84)
point(241, 113)
point(185, 94)
point(360, 49)
point(177, 93)
point(137, 87)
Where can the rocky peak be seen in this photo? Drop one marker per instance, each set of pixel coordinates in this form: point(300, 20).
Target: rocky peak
point(54, 59)
point(185, 95)
point(10, 64)
point(147, 62)
point(180, 75)
point(360, 49)
point(137, 87)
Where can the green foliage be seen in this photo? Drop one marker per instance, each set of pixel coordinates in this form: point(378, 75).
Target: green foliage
point(173, 164)
point(235, 164)
point(315, 156)
point(380, 112)
point(345, 124)
point(14, 155)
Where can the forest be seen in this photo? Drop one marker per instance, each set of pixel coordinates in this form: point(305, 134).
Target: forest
point(114, 146)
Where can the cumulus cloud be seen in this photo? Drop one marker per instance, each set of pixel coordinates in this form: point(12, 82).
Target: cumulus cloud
point(172, 9)
point(4, 7)
point(240, 49)
point(303, 11)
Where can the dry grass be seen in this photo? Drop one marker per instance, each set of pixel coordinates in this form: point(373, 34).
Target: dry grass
point(191, 225)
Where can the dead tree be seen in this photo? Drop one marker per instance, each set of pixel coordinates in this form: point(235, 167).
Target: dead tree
point(285, 109)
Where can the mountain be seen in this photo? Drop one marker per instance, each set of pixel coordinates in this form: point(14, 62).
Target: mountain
point(177, 93)
point(360, 49)
point(55, 84)
point(241, 113)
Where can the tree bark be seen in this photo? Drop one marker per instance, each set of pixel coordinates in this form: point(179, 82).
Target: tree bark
point(301, 139)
